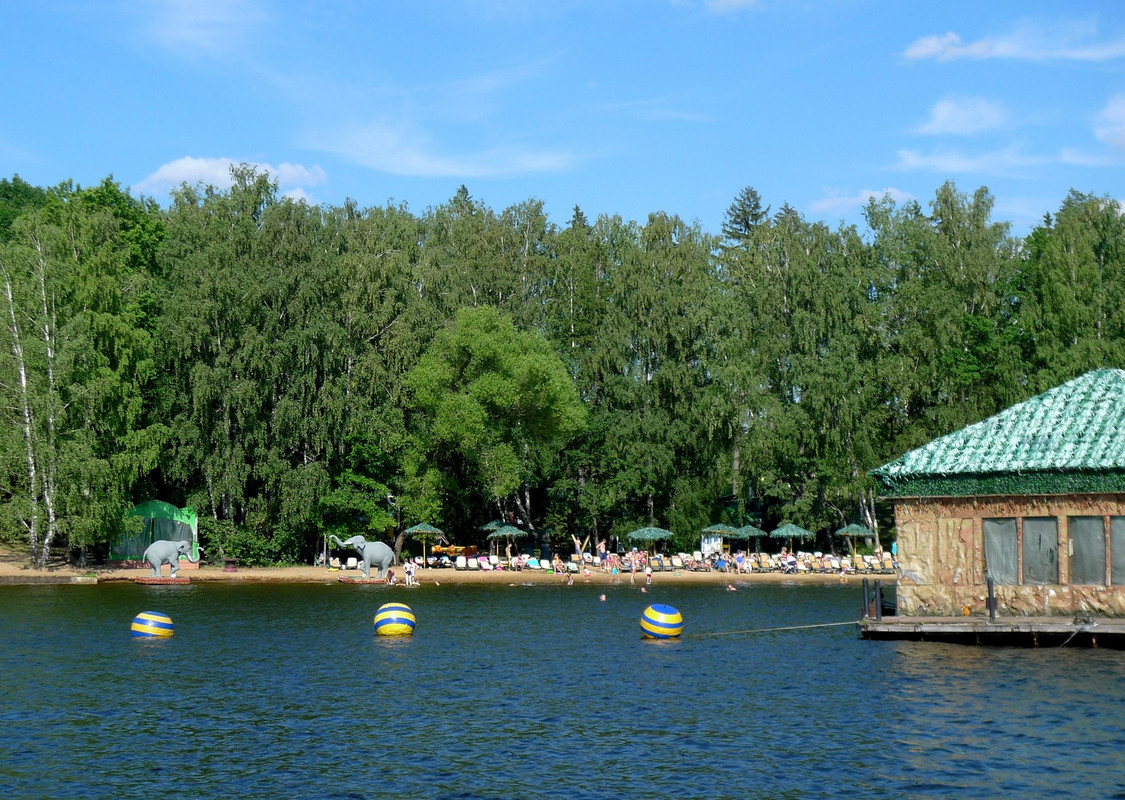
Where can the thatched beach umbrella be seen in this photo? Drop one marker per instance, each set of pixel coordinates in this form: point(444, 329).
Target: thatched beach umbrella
point(790, 531)
point(424, 531)
point(749, 532)
point(649, 535)
point(509, 532)
point(853, 530)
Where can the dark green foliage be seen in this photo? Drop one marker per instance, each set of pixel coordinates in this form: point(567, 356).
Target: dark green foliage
point(285, 367)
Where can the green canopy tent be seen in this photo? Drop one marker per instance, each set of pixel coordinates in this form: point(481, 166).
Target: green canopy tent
point(853, 530)
point(160, 521)
point(790, 531)
point(424, 531)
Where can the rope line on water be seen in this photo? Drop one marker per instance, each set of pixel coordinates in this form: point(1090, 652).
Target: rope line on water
point(771, 630)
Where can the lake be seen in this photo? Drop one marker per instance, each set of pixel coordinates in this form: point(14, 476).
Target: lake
point(531, 691)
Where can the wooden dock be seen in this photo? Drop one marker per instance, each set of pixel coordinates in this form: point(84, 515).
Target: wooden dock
point(1081, 631)
point(164, 580)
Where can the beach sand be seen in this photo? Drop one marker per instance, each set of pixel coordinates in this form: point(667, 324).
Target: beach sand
point(14, 569)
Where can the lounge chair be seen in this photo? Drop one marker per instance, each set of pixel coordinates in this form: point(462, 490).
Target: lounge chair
point(461, 563)
point(352, 563)
point(472, 564)
point(888, 564)
point(677, 563)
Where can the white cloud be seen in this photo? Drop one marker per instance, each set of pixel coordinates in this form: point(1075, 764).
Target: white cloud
point(998, 162)
point(836, 203)
point(202, 26)
point(1029, 42)
point(1109, 124)
point(1077, 158)
point(401, 151)
point(291, 178)
point(947, 161)
point(963, 116)
point(729, 6)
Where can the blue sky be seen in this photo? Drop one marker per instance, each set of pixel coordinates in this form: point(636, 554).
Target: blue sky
point(617, 107)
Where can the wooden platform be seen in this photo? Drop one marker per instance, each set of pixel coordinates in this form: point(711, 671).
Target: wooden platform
point(163, 580)
point(1079, 631)
point(345, 579)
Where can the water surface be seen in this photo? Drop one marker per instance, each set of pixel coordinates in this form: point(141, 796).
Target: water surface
point(531, 691)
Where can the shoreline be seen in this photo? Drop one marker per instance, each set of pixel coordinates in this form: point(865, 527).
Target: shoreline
point(15, 574)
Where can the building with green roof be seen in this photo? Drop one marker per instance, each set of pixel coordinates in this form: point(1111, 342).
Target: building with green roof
point(1033, 497)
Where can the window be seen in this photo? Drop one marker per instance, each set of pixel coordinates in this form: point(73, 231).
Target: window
point(1040, 550)
point(1087, 550)
point(1117, 550)
point(1001, 554)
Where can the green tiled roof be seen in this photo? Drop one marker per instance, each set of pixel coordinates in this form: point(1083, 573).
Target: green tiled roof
point(1068, 439)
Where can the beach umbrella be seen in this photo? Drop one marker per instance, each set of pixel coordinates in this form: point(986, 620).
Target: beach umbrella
point(424, 531)
point(721, 528)
point(649, 535)
point(853, 530)
point(507, 532)
point(493, 525)
point(790, 531)
point(749, 532)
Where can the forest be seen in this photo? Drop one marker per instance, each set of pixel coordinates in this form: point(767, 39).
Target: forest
point(293, 370)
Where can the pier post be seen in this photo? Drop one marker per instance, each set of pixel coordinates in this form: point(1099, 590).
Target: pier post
point(991, 599)
point(878, 601)
point(866, 600)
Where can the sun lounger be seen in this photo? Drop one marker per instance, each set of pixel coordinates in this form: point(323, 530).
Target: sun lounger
point(461, 563)
point(677, 563)
point(352, 563)
point(472, 564)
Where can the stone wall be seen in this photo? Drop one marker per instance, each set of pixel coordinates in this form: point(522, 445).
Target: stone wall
point(941, 557)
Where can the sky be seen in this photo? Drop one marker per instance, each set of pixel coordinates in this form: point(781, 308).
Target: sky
point(620, 107)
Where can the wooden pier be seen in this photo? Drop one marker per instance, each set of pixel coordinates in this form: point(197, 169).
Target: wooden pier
point(1078, 631)
point(163, 580)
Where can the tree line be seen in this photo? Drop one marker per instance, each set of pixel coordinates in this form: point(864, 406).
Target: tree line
point(294, 370)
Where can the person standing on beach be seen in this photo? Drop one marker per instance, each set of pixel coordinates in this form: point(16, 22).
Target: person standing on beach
point(648, 574)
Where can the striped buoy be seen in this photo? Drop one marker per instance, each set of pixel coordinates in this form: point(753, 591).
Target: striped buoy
point(661, 622)
point(152, 625)
point(394, 619)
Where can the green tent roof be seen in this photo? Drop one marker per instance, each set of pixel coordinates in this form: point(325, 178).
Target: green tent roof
point(1068, 439)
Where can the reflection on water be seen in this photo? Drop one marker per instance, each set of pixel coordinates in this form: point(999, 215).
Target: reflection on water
point(284, 691)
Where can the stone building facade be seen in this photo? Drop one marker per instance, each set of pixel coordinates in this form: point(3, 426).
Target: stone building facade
point(1033, 497)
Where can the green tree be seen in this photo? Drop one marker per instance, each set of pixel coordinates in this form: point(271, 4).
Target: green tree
point(78, 357)
point(493, 407)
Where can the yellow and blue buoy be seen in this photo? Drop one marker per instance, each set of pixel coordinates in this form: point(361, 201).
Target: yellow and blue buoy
point(394, 619)
point(152, 625)
point(661, 622)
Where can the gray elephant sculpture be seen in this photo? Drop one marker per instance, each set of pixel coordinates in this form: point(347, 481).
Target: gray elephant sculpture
point(163, 551)
point(370, 554)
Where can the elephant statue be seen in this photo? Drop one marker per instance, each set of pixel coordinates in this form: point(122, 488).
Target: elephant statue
point(370, 554)
point(163, 552)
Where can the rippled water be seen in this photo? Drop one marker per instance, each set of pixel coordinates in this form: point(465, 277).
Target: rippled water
point(536, 691)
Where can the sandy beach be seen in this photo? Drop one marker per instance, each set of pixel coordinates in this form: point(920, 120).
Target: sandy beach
point(14, 569)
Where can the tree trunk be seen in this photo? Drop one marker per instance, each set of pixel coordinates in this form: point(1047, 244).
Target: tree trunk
point(27, 423)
